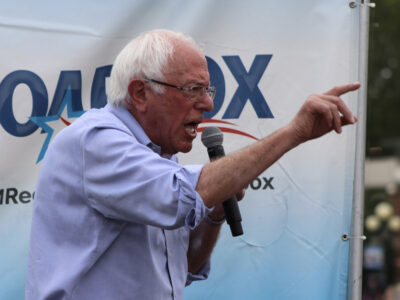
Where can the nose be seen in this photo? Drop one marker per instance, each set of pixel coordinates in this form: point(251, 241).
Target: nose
point(205, 104)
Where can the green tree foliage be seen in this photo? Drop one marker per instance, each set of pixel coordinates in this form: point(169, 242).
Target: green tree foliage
point(383, 108)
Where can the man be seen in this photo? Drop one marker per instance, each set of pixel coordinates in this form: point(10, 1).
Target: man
point(115, 215)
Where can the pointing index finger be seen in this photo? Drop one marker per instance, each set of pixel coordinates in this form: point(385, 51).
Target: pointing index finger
point(343, 89)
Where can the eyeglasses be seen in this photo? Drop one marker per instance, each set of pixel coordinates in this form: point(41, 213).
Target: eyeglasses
point(194, 93)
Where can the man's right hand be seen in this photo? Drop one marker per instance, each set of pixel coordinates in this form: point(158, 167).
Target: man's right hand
point(322, 113)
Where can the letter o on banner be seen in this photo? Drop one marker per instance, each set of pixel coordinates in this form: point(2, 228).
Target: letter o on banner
point(39, 98)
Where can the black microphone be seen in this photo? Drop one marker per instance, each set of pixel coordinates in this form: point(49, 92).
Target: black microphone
point(212, 138)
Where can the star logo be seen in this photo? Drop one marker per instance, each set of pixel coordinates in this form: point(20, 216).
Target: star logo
point(51, 124)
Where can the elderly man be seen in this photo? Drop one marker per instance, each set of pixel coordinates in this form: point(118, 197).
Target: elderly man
point(115, 215)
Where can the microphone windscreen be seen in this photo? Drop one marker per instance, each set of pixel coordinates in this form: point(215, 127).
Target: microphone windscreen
point(211, 137)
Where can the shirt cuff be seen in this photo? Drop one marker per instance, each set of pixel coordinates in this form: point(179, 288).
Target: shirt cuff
point(188, 177)
point(202, 274)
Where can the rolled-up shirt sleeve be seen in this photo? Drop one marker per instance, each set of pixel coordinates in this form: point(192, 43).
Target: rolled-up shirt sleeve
point(202, 274)
point(126, 180)
point(190, 174)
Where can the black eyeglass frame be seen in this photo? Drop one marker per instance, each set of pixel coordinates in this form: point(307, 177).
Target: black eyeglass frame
point(192, 91)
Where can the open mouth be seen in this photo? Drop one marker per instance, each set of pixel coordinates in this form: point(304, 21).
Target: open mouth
point(191, 128)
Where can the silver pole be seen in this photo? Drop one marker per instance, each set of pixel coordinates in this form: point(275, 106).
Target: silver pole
point(354, 287)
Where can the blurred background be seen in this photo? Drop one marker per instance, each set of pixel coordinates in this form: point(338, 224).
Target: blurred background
point(381, 273)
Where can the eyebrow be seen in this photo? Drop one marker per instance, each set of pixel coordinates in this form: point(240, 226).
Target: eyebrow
point(196, 83)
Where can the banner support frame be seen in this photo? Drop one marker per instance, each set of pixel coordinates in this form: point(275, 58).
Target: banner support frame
point(354, 286)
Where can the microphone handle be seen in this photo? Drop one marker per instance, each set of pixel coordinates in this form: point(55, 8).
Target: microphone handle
point(233, 217)
point(231, 208)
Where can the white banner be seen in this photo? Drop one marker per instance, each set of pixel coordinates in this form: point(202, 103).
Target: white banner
point(265, 58)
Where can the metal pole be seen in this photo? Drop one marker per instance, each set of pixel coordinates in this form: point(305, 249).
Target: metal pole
point(354, 290)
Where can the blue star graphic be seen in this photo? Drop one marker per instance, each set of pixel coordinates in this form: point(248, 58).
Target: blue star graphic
point(42, 121)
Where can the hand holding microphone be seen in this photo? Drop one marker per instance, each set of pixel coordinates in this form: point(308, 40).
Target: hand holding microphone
point(212, 138)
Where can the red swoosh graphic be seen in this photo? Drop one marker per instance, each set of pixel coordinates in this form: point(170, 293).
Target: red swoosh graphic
point(64, 121)
point(226, 129)
point(217, 121)
point(230, 130)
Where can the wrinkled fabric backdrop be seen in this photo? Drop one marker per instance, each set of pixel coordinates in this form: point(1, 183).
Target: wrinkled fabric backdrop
point(264, 57)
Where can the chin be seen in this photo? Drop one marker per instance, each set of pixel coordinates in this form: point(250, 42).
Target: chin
point(179, 149)
point(185, 148)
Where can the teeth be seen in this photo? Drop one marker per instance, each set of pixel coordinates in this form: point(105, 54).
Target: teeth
point(190, 128)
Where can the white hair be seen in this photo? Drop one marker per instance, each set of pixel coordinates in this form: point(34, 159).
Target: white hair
point(144, 57)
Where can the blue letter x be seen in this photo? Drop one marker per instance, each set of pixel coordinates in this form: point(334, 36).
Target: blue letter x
point(247, 88)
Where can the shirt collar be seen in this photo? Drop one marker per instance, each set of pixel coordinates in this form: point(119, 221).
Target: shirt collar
point(133, 125)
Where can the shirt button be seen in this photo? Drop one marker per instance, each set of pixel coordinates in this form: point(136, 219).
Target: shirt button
point(170, 253)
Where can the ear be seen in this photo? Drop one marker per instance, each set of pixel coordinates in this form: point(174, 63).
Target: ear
point(137, 94)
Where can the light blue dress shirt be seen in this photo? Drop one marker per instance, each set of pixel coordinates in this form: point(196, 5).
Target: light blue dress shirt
point(111, 216)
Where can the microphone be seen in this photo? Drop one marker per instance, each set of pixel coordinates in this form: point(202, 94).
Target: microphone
point(212, 138)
